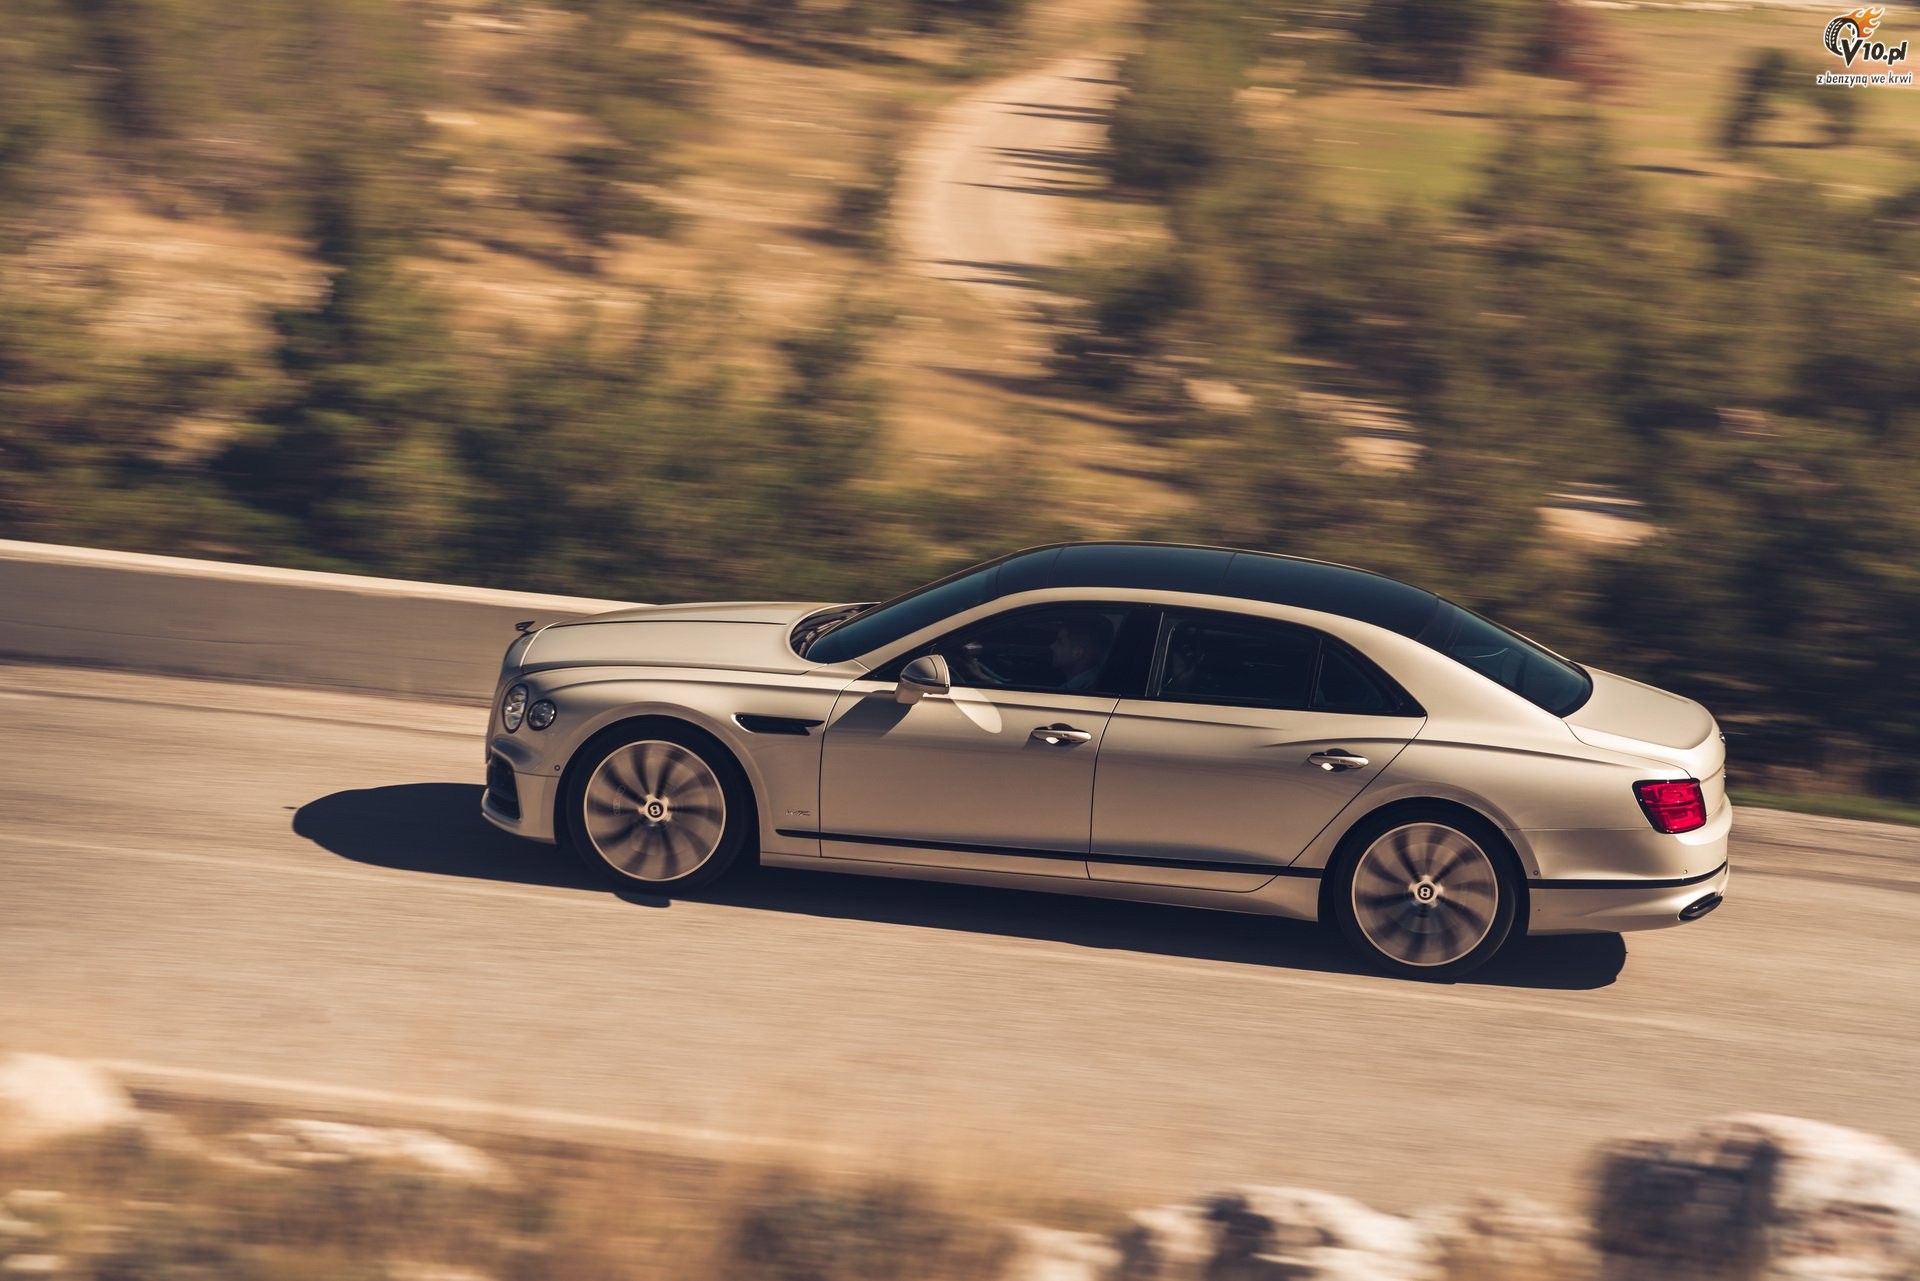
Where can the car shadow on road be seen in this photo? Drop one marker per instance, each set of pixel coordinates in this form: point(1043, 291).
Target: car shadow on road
point(436, 828)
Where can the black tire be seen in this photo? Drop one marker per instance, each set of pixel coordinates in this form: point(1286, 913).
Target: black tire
point(1462, 892)
point(1833, 33)
point(691, 816)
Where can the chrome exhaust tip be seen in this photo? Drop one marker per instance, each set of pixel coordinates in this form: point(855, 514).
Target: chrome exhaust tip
point(1701, 906)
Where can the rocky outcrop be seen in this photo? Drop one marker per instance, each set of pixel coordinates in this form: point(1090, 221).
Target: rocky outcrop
point(297, 1142)
point(1171, 1243)
point(1272, 1234)
point(1758, 1198)
point(1508, 1239)
point(1048, 1254)
point(43, 1098)
point(1748, 1198)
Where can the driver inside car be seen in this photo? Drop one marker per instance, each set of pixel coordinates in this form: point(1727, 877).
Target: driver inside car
point(1079, 651)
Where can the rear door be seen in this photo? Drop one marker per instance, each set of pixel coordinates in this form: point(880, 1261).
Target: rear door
point(1252, 736)
point(996, 775)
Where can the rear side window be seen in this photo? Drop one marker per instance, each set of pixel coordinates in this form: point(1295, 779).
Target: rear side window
point(1256, 662)
point(1244, 661)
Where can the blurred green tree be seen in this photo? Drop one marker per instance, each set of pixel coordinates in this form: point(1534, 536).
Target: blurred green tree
point(1425, 41)
point(1176, 121)
point(1766, 74)
point(355, 451)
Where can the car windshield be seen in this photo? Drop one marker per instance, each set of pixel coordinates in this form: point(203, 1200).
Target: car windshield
point(903, 615)
point(1536, 674)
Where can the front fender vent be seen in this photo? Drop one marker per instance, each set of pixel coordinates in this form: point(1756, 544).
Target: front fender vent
point(773, 724)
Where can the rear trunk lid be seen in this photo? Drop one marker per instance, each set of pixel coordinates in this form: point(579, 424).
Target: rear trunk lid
point(1665, 729)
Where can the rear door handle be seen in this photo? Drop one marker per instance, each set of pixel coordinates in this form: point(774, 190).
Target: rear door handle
point(1059, 735)
point(1339, 758)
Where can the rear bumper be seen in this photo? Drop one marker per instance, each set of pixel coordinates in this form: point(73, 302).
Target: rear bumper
point(1588, 907)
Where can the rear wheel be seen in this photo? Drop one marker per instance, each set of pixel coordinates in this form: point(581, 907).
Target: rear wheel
point(1426, 895)
point(660, 807)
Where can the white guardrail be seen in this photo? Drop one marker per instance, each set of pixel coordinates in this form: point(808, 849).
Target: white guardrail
point(92, 608)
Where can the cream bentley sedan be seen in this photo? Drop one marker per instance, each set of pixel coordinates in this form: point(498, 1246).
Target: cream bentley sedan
point(1188, 725)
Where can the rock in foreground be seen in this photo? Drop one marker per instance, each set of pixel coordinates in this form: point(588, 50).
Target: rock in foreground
point(44, 1098)
point(1758, 1198)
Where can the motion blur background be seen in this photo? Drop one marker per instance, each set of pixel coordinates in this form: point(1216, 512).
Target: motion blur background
point(1600, 319)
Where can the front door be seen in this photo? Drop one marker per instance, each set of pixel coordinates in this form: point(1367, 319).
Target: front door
point(995, 775)
point(1255, 735)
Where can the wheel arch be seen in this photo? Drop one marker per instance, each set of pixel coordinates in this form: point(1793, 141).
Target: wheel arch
point(626, 728)
point(1487, 824)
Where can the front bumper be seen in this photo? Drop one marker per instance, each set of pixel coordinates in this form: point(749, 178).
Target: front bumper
point(1577, 907)
point(519, 802)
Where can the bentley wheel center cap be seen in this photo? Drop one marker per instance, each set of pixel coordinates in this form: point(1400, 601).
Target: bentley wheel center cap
point(654, 809)
point(1425, 891)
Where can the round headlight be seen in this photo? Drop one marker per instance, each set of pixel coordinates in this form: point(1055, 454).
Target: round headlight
point(541, 714)
point(514, 709)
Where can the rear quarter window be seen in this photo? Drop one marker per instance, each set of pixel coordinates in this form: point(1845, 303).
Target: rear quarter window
point(1348, 683)
point(1507, 658)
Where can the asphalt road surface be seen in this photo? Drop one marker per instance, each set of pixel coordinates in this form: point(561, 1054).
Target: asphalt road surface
point(291, 890)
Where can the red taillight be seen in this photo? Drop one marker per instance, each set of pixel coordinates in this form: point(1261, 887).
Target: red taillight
point(1672, 806)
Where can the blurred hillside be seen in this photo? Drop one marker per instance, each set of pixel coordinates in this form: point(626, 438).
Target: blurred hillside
point(607, 297)
point(444, 289)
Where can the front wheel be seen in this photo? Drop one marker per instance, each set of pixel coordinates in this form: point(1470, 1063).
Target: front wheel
point(658, 808)
point(1426, 896)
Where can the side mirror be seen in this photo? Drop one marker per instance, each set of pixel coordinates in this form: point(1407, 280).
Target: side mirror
point(925, 675)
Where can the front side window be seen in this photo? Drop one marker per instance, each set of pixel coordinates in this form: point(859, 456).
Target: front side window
point(1068, 649)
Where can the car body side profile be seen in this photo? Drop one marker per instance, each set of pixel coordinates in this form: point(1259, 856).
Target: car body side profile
point(1187, 725)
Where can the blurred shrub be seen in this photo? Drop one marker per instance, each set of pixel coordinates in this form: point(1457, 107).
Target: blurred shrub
point(1115, 340)
point(1766, 74)
point(354, 449)
point(862, 209)
point(85, 434)
point(884, 1232)
point(1570, 41)
point(861, 18)
point(591, 190)
point(1424, 41)
point(1839, 114)
point(1175, 121)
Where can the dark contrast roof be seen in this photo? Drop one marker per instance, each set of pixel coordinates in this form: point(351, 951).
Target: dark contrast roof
point(1217, 571)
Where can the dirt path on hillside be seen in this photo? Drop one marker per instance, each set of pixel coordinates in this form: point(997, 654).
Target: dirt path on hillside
point(987, 192)
point(993, 200)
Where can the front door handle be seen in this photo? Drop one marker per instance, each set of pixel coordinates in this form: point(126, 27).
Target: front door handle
point(1059, 735)
point(1338, 758)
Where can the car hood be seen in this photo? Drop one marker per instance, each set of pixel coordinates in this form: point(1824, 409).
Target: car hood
point(1626, 716)
point(737, 635)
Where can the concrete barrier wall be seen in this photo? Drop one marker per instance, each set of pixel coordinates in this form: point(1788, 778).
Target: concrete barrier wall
point(248, 622)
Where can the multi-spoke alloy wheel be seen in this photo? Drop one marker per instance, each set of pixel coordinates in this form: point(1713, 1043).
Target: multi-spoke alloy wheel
point(657, 810)
point(1425, 897)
